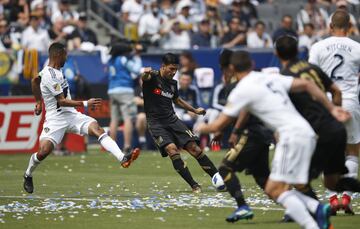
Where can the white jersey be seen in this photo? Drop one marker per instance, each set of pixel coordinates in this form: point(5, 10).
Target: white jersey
point(54, 83)
point(339, 58)
point(266, 96)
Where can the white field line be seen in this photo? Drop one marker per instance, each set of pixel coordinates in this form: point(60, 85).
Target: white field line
point(108, 200)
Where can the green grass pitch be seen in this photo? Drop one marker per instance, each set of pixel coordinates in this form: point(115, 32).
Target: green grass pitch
point(92, 191)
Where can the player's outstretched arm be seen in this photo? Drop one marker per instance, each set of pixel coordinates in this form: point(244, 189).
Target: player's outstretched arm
point(217, 125)
point(336, 94)
point(92, 103)
point(146, 75)
point(182, 103)
point(300, 85)
point(35, 87)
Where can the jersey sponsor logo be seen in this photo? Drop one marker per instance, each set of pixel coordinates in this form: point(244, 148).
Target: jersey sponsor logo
point(46, 129)
point(157, 91)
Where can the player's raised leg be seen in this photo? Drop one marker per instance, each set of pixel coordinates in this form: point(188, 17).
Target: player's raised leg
point(203, 160)
point(180, 167)
point(110, 145)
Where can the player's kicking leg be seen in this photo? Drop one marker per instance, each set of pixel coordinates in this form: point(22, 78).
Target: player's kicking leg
point(203, 160)
point(46, 147)
point(180, 167)
point(110, 145)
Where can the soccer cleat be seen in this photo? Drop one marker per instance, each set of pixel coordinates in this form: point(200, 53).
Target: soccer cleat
point(196, 188)
point(346, 204)
point(130, 157)
point(242, 212)
point(28, 184)
point(322, 216)
point(286, 219)
point(334, 203)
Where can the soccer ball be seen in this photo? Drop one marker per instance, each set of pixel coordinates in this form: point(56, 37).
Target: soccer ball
point(218, 182)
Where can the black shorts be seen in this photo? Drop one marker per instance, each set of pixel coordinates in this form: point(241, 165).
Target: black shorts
point(250, 153)
point(329, 155)
point(165, 133)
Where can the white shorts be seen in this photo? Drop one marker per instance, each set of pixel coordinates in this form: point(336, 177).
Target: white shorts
point(54, 129)
point(292, 159)
point(353, 125)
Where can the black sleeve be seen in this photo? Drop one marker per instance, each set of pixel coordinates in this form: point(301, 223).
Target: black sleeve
point(176, 92)
point(325, 79)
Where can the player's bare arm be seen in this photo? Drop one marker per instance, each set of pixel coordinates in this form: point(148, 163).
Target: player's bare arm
point(300, 85)
point(218, 125)
point(182, 103)
point(336, 94)
point(35, 87)
point(92, 103)
point(146, 75)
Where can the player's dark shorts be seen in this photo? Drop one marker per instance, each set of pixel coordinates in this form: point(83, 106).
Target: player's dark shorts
point(329, 155)
point(165, 133)
point(249, 153)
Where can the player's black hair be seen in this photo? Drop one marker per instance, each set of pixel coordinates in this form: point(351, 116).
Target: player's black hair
point(170, 58)
point(286, 47)
point(260, 23)
point(241, 60)
point(56, 49)
point(224, 58)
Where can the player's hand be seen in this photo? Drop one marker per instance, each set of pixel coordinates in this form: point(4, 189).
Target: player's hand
point(217, 138)
point(147, 70)
point(38, 108)
point(233, 139)
point(340, 114)
point(94, 103)
point(200, 111)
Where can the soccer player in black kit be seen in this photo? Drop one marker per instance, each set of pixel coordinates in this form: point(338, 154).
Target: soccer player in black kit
point(168, 131)
point(329, 156)
point(250, 151)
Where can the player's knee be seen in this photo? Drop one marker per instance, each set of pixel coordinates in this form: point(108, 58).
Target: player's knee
point(172, 150)
point(194, 149)
point(44, 151)
point(275, 189)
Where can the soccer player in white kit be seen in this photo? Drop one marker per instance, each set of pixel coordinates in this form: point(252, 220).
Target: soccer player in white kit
point(266, 96)
point(339, 57)
point(61, 115)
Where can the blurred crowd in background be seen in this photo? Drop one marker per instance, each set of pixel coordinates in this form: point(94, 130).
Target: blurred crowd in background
point(171, 24)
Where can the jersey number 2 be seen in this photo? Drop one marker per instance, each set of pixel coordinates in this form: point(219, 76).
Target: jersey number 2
point(332, 75)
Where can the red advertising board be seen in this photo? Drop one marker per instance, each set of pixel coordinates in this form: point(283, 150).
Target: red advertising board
point(20, 128)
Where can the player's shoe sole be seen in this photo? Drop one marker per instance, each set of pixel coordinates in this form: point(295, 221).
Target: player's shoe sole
point(240, 214)
point(28, 184)
point(133, 156)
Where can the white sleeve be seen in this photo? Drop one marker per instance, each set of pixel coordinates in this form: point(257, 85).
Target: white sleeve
point(237, 100)
point(285, 81)
point(52, 84)
point(313, 55)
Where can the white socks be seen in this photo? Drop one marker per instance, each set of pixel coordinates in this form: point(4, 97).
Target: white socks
point(110, 145)
point(33, 163)
point(142, 139)
point(310, 203)
point(352, 164)
point(297, 210)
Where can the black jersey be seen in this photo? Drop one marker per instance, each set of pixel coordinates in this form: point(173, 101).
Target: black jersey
point(159, 94)
point(314, 112)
